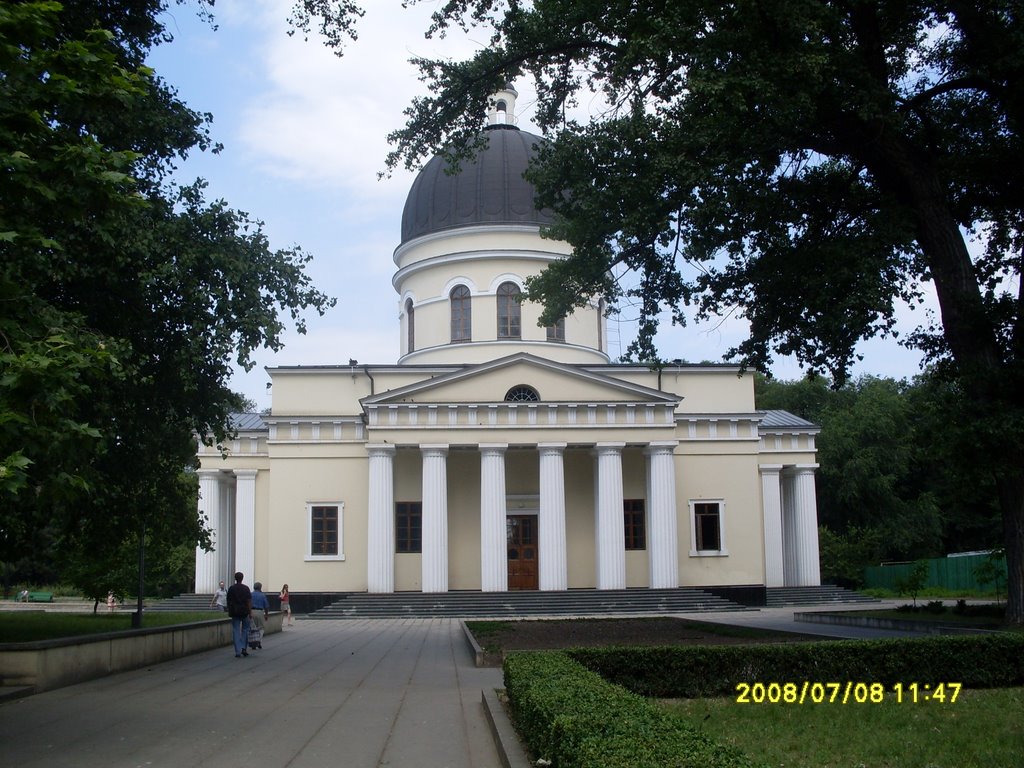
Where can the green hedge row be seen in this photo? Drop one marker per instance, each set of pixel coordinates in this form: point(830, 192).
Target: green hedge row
point(977, 661)
point(573, 718)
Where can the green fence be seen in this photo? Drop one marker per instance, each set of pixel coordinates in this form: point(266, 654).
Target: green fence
point(951, 573)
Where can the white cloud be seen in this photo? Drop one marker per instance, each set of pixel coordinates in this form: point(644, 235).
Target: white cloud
point(324, 119)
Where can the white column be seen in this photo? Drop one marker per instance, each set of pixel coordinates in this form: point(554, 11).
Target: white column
point(435, 518)
point(245, 523)
point(610, 527)
point(551, 536)
point(662, 534)
point(493, 536)
point(788, 529)
point(207, 574)
point(226, 546)
point(380, 538)
point(808, 569)
point(771, 506)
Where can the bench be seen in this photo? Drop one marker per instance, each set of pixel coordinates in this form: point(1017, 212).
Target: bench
point(35, 597)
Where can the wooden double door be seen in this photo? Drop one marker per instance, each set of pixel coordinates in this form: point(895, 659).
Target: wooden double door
point(521, 533)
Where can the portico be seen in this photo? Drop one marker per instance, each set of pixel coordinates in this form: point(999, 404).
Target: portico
point(547, 506)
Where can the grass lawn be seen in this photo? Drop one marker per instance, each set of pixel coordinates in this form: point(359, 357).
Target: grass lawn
point(28, 626)
point(982, 729)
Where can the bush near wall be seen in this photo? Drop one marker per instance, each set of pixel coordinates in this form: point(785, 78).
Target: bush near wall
point(976, 661)
point(573, 718)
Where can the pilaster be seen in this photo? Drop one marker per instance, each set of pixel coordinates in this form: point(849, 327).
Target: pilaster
point(771, 506)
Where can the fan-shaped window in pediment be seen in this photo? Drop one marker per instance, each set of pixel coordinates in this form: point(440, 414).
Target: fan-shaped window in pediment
point(521, 393)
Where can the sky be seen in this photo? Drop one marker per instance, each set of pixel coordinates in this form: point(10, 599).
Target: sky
point(304, 133)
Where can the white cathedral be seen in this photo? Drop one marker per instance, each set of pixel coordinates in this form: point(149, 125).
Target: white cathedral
point(499, 455)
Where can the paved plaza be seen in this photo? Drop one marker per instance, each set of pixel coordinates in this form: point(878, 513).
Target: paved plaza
point(358, 693)
point(321, 693)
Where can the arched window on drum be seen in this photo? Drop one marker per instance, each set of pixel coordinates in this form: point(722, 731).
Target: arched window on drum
point(509, 311)
point(410, 326)
point(462, 314)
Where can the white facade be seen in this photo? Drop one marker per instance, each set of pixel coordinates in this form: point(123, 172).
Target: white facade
point(500, 455)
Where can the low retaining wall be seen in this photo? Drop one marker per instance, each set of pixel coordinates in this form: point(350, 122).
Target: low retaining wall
point(878, 622)
point(49, 664)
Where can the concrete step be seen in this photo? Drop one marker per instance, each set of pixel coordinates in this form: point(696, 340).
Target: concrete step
point(517, 604)
point(784, 596)
point(187, 602)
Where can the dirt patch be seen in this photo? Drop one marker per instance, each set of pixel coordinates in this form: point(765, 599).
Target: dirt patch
point(499, 637)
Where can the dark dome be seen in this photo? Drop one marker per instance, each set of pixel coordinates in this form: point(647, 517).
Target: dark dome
point(489, 189)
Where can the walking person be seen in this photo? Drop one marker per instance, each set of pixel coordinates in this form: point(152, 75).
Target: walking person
point(260, 614)
point(286, 606)
point(239, 600)
point(220, 598)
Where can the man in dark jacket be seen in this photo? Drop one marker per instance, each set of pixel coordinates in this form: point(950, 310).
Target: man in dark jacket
point(239, 608)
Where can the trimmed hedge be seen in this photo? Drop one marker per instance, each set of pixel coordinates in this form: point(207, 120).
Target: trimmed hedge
point(976, 661)
point(572, 717)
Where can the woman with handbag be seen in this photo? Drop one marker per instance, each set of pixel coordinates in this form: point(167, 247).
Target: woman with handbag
point(286, 606)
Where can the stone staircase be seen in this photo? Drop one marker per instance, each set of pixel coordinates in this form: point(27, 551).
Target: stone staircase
point(575, 602)
point(186, 601)
point(779, 597)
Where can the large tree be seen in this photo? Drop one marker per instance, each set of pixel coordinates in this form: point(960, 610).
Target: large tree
point(807, 163)
point(125, 299)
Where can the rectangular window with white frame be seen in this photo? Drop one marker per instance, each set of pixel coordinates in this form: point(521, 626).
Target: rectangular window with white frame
point(707, 528)
point(324, 530)
point(408, 526)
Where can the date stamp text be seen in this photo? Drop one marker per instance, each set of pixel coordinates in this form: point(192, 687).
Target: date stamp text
point(848, 692)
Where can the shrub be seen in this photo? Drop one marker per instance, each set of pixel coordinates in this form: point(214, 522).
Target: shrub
point(573, 718)
point(976, 661)
point(915, 581)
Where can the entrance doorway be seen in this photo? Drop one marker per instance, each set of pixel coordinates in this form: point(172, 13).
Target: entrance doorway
point(521, 533)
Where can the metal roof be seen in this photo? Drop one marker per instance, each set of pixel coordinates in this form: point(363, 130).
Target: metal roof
point(784, 420)
point(488, 189)
point(247, 422)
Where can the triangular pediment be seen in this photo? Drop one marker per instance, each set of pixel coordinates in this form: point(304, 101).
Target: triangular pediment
point(554, 382)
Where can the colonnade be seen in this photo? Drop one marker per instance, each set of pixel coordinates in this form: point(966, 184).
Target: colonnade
point(228, 502)
point(790, 525)
point(551, 523)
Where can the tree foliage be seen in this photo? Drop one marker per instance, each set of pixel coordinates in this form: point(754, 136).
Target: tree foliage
point(895, 480)
point(809, 164)
point(124, 298)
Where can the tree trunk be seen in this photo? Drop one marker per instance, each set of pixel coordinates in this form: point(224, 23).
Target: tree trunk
point(1011, 500)
point(985, 377)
